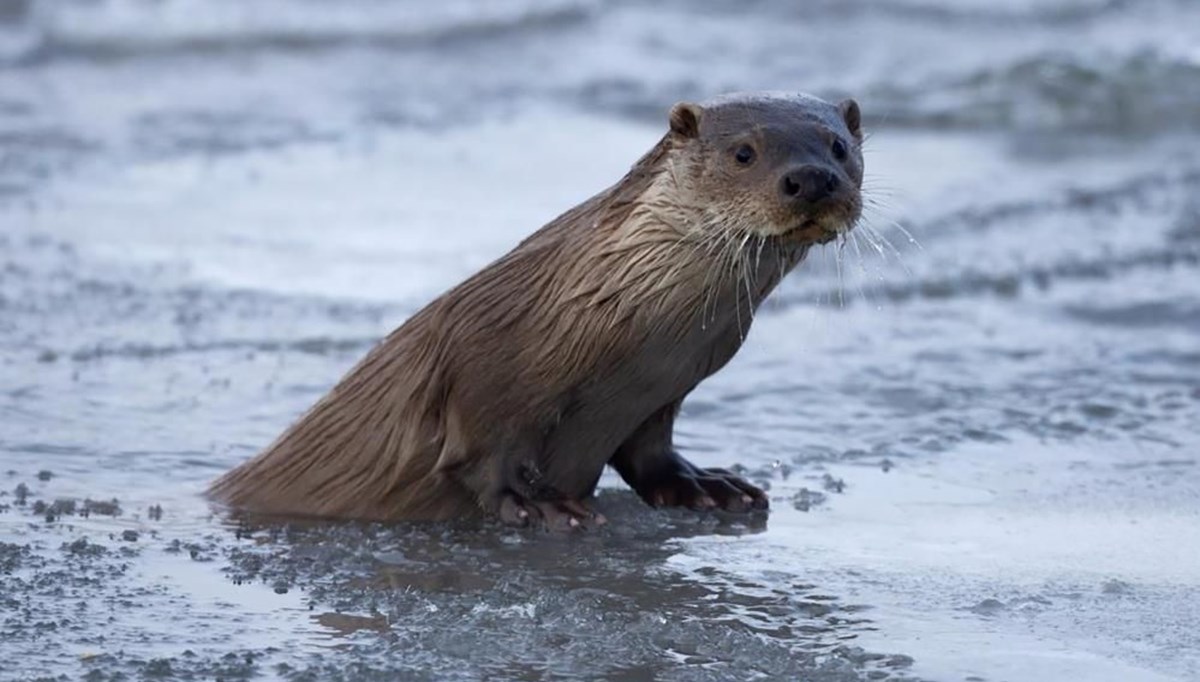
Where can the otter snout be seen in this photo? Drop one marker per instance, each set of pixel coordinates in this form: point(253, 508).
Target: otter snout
point(808, 184)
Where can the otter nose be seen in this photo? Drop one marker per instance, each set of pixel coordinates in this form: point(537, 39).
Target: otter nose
point(808, 183)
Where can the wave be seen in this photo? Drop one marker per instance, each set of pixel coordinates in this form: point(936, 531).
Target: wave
point(949, 11)
point(1166, 219)
point(1107, 198)
point(320, 345)
point(115, 29)
point(1146, 91)
point(1132, 69)
point(1010, 283)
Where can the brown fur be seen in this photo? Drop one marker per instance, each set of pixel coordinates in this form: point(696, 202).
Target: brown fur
point(562, 355)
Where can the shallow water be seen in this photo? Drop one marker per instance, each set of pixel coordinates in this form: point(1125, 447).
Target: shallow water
point(980, 444)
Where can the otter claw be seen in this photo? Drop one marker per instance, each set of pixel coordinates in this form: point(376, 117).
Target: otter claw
point(704, 490)
point(556, 515)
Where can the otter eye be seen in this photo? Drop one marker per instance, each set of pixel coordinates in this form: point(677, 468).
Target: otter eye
point(839, 150)
point(744, 155)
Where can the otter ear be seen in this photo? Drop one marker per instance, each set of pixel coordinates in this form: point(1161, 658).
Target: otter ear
point(685, 119)
point(852, 116)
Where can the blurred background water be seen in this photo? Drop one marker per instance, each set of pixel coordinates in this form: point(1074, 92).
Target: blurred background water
point(981, 441)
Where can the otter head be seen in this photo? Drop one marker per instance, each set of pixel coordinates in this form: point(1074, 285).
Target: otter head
point(770, 165)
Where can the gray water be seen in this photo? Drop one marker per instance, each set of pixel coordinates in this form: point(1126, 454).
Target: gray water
point(980, 441)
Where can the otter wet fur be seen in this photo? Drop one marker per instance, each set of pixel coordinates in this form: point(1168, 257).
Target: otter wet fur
point(510, 393)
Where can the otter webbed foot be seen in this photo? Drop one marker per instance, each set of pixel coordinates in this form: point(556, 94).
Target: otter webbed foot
point(557, 515)
point(683, 484)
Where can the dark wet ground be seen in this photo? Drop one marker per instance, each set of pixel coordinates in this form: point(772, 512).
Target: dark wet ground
point(980, 442)
point(415, 601)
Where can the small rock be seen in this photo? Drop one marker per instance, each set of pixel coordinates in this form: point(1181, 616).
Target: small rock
point(101, 507)
point(158, 668)
point(63, 506)
point(807, 499)
point(1115, 586)
point(833, 485)
point(82, 547)
point(129, 536)
point(988, 607)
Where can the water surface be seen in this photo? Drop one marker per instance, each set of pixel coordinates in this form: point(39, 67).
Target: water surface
point(980, 440)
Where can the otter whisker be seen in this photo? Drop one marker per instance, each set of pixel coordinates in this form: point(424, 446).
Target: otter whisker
point(877, 197)
point(911, 239)
point(717, 240)
point(780, 256)
point(880, 244)
point(824, 270)
point(762, 241)
point(887, 242)
point(743, 255)
point(873, 241)
point(862, 268)
point(828, 263)
point(708, 241)
point(717, 271)
point(841, 242)
point(733, 258)
point(872, 185)
point(871, 214)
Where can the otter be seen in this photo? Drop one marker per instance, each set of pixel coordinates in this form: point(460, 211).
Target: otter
point(508, 395)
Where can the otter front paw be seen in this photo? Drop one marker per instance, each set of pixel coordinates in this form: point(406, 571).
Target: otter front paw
point(557, 515)
point(687, 485)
